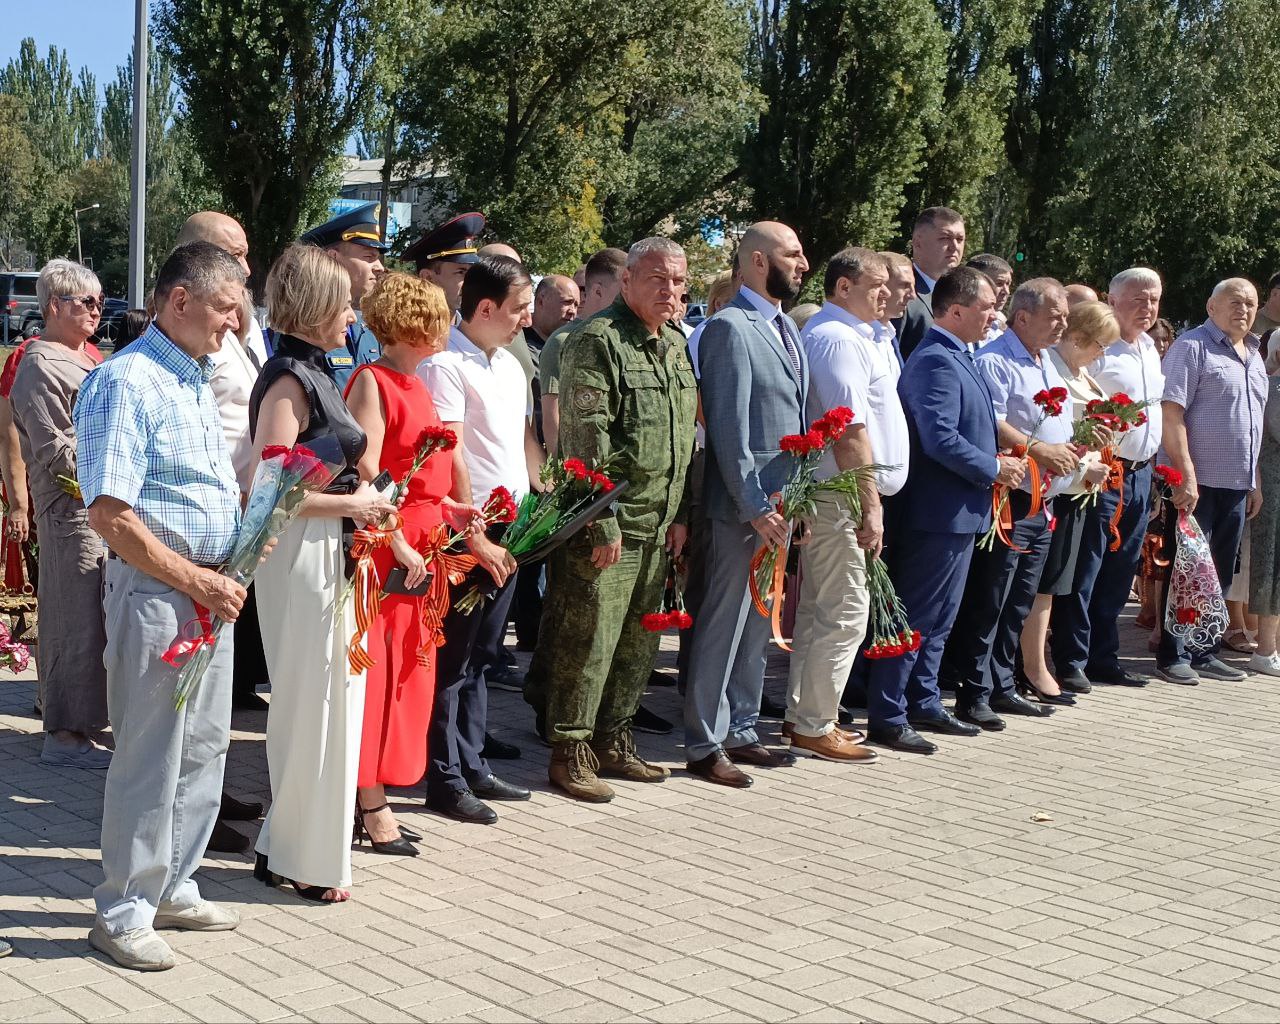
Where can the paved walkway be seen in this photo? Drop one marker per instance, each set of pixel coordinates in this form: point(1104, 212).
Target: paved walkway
point(914, 889)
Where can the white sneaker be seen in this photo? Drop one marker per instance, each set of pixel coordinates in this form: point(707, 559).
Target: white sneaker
point(1265, 665)
point(203, 917)
point(139, 949)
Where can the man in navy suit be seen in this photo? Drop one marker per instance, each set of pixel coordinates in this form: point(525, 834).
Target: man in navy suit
point(754, 378)
point(937, 245)
point(946, 503)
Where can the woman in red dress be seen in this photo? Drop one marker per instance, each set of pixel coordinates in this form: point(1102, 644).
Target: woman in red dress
point(410, 319)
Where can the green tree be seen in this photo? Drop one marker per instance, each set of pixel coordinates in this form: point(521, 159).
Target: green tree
point(565, 120)
point(17, 166)
point(849, 89)
point(965, 158)
point(1176, 167)
point(273, 89)
point(61, 124)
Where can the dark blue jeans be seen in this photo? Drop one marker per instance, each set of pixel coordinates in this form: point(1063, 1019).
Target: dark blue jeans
point(1086, 630)
point(1220, 513)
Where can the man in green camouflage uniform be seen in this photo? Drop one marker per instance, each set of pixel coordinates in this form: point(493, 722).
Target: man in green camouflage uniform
point(628, 395)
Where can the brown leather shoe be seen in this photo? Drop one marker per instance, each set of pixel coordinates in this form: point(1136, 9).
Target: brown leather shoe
point(761, 756)
point(717, 768)
point(834, 746)
point(788, 730)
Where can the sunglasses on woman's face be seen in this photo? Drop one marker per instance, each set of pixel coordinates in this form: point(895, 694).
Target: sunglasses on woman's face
point(90, 302)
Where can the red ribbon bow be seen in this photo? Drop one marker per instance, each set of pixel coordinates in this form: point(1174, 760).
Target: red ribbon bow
point(185, 647)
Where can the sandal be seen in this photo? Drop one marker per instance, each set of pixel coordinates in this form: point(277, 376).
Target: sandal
point(310, 893)
point(1238, 640)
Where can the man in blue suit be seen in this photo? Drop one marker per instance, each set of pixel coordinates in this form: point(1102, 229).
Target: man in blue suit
point(946, 503)
point(937, 245)
point(754, 377)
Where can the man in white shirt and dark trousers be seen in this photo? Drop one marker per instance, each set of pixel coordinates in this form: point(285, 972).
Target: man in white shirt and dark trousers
point(1086, 634)
point(481, 394)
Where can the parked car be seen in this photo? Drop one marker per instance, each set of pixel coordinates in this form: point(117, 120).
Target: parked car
point(18, 303)
point(113, 311)
point(697, 312)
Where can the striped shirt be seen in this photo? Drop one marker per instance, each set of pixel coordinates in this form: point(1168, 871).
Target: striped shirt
point(149, 435)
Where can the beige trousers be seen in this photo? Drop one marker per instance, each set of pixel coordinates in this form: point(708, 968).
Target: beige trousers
point(831, 619)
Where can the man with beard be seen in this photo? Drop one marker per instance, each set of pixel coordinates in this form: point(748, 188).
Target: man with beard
point(753, 374)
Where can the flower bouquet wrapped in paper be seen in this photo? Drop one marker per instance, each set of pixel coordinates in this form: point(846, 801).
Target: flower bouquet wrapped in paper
point(1195, 612)
point(797, 501)
point(13, 655)
point(283, 479)
point(573, 495)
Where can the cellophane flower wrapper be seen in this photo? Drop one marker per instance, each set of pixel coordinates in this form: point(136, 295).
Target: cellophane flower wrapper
point(281, 482)
point(571, 487)
point(1195, 612)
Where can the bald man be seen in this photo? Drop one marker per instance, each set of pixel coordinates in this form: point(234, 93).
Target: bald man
point(1078, 293)
point(1215, 391)
point(753, 373)
point(499, 249)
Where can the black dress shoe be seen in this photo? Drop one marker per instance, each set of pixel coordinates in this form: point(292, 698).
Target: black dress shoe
point(844, 716)
point(504, 677)
point(980, 715)
point(760, 756)
point(646, 721)
point(225, 839)
point(1075, 681)
point(462, 805)
point(496, 750)
point(901, 737)
point(945, 723)
point(239, 810)
point(772, 709)
point(1116, 675)
point(249, 702)
point(1012, 704)
point(493, 788)
point(657, 678)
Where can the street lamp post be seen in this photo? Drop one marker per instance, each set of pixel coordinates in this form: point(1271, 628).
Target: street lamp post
point(138, 170)
point(76, 217)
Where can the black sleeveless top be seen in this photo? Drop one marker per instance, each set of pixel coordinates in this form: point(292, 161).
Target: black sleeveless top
point(327, 416)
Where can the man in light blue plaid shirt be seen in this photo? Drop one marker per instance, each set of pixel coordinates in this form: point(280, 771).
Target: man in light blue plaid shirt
point(158, 482)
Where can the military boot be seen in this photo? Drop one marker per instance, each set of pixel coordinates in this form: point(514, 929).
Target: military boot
point(573, 769)
point(618, 760)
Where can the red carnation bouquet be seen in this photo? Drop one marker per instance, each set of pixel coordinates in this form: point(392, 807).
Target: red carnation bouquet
point(673, 614)
point(888, 631)
point(797, 501)
point(1050, 402)
point(573, 492)
point(1119, 414)
point(282, 481)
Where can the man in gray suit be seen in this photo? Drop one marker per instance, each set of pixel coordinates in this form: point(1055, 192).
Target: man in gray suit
point(754, 376)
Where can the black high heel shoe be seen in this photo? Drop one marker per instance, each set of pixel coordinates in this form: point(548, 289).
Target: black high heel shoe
point(310, 893)
point(410, 834)
point(398, 847)
point(1027, 688)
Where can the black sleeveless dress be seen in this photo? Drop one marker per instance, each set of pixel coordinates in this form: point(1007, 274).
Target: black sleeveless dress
point(328, 416)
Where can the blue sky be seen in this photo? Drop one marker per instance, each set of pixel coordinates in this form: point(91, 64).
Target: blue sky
point(95, 33)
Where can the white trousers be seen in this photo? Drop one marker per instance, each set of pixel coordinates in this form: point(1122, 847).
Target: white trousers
point(831, 619)
point(317, 706)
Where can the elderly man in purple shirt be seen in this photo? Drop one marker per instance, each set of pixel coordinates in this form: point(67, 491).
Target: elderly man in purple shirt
point(1214, 395)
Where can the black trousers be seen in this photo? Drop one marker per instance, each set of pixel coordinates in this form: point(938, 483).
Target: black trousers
point(526, 606)
point(249, 666)
point(455, 738)
point(983, 647)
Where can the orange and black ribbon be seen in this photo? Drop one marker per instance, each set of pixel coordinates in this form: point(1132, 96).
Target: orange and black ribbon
point(367, 586)
point(447, 570)
point(770, 605)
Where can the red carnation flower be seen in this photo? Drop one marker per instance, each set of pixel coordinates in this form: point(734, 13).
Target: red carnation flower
point(655, 622)
point(1169, 476)
point(274, 451)
point(1120, 398)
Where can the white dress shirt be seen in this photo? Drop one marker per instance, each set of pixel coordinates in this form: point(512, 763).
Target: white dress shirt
point(1134, 368)
point(489, 397)
point(852, 363)
point(767, 308)
point(234, 374)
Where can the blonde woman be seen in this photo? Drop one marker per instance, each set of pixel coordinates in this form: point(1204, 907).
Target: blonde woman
point(1091, 329)
point(317, 703)
point(410, 319)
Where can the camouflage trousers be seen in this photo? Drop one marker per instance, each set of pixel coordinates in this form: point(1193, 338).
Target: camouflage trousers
point(598, 668)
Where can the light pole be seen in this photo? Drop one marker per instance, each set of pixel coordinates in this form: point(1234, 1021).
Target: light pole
point(138, 170)
point(76, 217)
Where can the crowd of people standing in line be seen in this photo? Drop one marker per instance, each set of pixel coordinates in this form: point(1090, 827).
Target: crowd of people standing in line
point(137, 469)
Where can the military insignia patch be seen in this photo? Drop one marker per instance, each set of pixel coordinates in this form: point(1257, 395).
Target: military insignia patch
point(587, 399)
